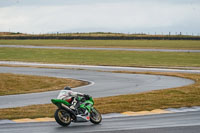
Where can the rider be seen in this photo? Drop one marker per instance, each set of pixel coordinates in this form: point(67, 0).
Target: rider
point(72, 97)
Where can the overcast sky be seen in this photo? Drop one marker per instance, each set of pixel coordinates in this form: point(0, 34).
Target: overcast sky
point(127, 16)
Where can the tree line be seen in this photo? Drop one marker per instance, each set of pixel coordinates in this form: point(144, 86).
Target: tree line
point(60, 37)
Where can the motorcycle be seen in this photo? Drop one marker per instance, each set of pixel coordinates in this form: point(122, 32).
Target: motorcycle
point(64, 115)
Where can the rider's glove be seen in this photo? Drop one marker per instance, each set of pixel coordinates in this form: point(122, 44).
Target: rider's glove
point(87, 97)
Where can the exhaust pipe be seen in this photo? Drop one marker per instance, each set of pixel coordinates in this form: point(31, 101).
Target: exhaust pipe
point(73, 115)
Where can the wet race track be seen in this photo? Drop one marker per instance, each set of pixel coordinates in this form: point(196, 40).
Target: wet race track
point(103, 84)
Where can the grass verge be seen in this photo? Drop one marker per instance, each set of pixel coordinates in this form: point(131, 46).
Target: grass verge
point(153, 44)
point(94, 57)
point(167, 98)
point(19, 84)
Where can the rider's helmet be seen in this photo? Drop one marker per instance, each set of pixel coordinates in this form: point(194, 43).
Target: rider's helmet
point(67, 88)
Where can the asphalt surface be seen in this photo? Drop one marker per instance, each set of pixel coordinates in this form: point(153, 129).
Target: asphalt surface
point(187, 122)
point(93, 48)
point(104, 68)
point(102, 84)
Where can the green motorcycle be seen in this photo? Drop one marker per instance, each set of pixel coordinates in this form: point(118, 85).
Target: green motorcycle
point(83, 112)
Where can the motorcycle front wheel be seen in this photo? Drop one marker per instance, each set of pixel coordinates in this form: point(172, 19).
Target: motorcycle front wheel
point(95, 116)
point(62, 117)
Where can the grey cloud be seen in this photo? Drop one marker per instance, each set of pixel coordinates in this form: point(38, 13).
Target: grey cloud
point(103, 15)
point(5, 3)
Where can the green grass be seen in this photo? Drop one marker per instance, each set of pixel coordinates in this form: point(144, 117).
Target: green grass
point(155, 44)
point(92, 57)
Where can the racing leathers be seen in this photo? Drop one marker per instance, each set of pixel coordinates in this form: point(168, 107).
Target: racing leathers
point(72, 97)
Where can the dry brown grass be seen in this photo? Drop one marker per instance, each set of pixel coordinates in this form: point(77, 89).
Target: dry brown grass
point(167, 98)
point(175, 97)
point(18, 84)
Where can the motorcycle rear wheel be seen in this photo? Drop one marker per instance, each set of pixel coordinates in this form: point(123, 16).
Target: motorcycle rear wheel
point(95, 116)
point(62, 117)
